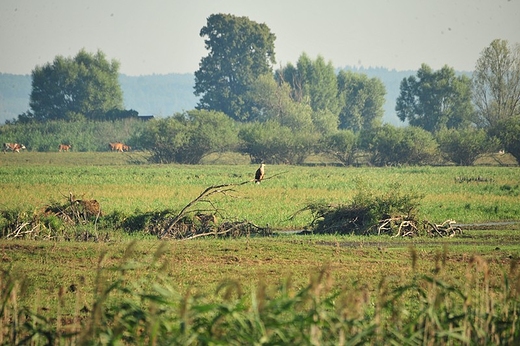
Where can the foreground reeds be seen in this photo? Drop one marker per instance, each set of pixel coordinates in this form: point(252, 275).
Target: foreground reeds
point(129, 307)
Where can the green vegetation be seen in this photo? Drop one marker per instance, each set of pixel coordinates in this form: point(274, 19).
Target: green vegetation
point(284, 290)
point(390, 145)
point(83, 87)
point(436, 100)
point(106, 285)
point(191, 136)
point(239, 51)
point(281, 117)
point(31, 181)
point(495, 83)
point(70, 274)
point(464, 146)
point(363, 100)
point(82, 135)
point(188, 137)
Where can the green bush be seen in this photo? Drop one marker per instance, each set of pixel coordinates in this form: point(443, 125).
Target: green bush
point(188, 137)
point(508, 132)
point(464, 146)
point(273, 143)
point(390, 145)
point(341, 145)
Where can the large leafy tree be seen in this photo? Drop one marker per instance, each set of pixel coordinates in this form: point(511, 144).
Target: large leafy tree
point(496, 83)
point(86, 86)
point(272, 102)
point(283, 130)
point(313, 82)
point(435, 100)
point(362, 99)
point(240, 50)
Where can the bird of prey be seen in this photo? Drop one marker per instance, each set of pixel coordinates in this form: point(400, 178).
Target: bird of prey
point(260, 172)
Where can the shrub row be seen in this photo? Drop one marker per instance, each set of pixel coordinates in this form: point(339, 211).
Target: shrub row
point(191, 136)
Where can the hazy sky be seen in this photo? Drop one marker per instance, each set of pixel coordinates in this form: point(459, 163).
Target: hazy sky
point(160, 37)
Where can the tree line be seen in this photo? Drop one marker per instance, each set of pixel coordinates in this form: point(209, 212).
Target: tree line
point(287, 114)
point(191, 136)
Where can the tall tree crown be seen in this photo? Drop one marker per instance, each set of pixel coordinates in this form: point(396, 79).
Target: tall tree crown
point(435, 100)
point(362, 100)
point(240, 50)
point(313, 82)
point(496, 83)
point(84, 86)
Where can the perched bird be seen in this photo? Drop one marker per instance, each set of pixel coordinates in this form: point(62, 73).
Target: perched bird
point(260, 172)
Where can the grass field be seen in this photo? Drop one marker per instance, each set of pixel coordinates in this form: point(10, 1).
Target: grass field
point(445, 290)
point(64, 281)
point(465, 194)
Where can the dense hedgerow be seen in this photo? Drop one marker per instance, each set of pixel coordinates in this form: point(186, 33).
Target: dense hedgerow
point(191, 136)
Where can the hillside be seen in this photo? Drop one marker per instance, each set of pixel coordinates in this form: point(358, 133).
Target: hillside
point(164, 95)
point(14, 95)
point(160, 95)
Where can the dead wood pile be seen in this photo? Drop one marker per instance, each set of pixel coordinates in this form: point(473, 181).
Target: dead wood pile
point(79, 219)
point(366, 220)
point(55, 221)
point(75, 211)
point(448, 228)
point(193, 222)
point(199, 218)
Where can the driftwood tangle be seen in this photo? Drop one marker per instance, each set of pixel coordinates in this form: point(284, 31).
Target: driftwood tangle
point(203, 224)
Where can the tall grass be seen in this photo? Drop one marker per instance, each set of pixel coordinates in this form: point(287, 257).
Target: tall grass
point(130, 307)
point(82, 135)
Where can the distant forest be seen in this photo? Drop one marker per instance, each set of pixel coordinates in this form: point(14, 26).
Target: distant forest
point(164, 95)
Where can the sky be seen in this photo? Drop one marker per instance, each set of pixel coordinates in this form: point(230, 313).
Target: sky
point(162, 36)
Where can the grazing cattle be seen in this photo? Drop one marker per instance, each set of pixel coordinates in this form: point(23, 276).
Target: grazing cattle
point(64, 147)
point(116, 146)
point(260, 172)
point(126, 147)
point(15, 147)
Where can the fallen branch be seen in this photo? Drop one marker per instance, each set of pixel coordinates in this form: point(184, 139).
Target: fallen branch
point(223, 189)
point(446, 229)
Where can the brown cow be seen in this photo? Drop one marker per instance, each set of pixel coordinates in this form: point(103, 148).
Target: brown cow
point(116, 146)
point(64, 147)
point(15, 147)
point(126, 147)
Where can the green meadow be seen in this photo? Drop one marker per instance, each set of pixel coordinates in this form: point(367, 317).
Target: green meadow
point(121, 182)
point(281, 290)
